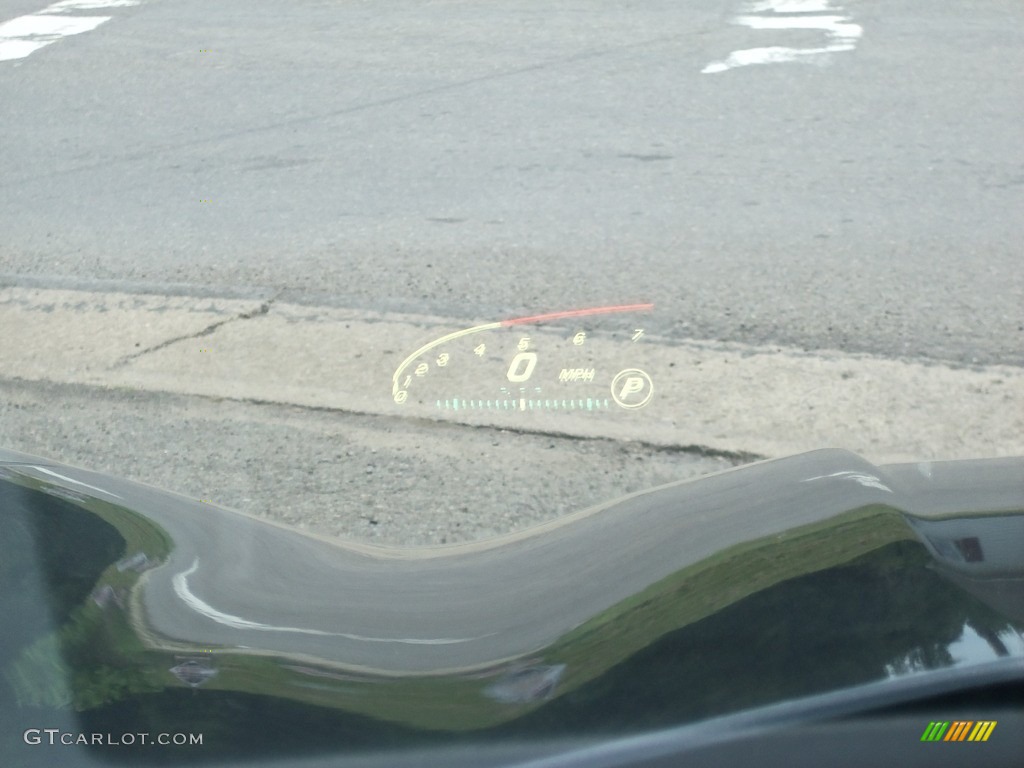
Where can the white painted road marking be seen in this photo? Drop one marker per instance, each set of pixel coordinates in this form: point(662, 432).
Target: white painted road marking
point(88, 5)
point(842, 33)
point(66, 479)
point(181, 589)
point(24, 35)
point(868, 481)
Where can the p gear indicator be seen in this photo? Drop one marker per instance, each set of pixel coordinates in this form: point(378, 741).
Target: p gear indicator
point(632, 388)
point(580, 360)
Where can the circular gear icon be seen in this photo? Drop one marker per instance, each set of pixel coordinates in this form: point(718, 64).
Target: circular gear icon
point(632, 388)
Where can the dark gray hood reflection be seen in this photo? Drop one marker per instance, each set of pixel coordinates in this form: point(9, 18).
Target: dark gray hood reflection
point(758, 585)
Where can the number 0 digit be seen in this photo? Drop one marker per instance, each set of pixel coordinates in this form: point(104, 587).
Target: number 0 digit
point(522, 366)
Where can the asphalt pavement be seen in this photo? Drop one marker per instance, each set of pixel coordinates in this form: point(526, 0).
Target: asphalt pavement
point(821, 199)
point(476, 159)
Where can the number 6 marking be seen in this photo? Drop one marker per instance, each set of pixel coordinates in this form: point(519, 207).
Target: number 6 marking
point(516, 375)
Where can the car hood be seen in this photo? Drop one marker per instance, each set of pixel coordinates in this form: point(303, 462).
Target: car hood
point(130, 609)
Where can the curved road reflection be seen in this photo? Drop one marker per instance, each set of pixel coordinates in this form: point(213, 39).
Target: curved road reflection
point(236, 581)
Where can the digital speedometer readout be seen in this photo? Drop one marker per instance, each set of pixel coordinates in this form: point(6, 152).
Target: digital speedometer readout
point(582, 360)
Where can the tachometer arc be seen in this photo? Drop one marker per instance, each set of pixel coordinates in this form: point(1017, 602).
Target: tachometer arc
point(437, 342)
point(530, 319)
point(577, 313)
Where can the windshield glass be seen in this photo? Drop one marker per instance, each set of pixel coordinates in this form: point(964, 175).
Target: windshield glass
point(422, 274)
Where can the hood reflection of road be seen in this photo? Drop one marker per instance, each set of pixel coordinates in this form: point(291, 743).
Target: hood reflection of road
point(235, 581)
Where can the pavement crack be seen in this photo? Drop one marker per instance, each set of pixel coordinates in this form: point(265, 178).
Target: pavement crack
point(262, 309)
point(295, 121)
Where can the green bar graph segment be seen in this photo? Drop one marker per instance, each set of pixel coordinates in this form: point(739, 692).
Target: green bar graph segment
point(935, 731)
point(524, 404)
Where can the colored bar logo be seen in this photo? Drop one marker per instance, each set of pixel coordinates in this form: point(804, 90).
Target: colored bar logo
point(959, 730)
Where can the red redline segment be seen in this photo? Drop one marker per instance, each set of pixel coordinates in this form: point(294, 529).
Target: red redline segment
point(577, 313)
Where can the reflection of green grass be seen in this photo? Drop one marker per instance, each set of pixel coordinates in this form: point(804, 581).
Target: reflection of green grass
point(140, 535)
point(443, 703)
point(139, 532)
point(39, 676)
point(682, 598)
point(95, 657)
point(706, 587)
point(108, 661)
